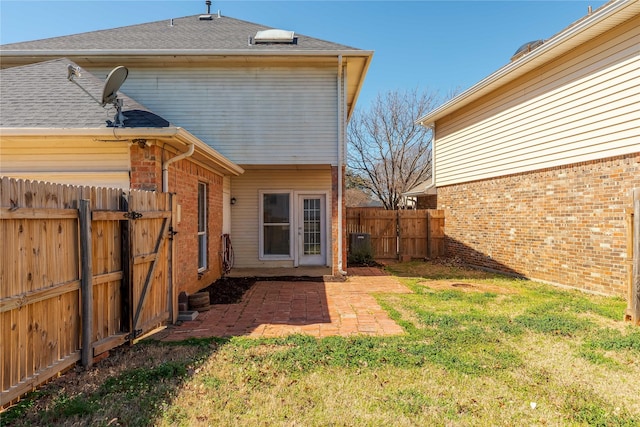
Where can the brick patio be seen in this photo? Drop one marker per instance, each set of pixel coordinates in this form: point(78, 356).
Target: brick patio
point(320, 309)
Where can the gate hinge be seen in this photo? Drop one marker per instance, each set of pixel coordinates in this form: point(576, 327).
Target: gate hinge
point(133, 335)
point(172, 232)
point(132, 215)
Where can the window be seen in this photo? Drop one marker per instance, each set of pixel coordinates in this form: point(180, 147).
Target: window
point(202, 226)
point(276, 225)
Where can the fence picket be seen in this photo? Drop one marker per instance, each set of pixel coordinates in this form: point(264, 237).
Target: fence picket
point(40, 272)
point(406, 233)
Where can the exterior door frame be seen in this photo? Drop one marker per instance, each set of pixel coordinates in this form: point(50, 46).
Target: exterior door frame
point(325, 241)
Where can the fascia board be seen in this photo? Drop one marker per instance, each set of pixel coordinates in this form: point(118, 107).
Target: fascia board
point(112, 133)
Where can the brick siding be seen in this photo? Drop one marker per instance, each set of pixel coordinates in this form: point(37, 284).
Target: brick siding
point(334, 222)
point(565, 225)
point(184, 176)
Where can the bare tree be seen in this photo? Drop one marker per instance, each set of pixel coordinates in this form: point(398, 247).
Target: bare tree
point(387, 150)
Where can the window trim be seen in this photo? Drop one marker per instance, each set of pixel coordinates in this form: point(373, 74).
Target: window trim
point(261, 255)
point(204, 234)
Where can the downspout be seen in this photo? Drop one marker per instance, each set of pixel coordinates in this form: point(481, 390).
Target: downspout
point(433, 155)
point(340, 161)
point(165, 166)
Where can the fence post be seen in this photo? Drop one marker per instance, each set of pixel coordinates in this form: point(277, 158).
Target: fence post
point(429, 234)
point(635, 281)
point(86, 283)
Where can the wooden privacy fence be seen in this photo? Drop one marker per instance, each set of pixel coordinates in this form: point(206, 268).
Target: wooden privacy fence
point(402, 233)
point(82, 270)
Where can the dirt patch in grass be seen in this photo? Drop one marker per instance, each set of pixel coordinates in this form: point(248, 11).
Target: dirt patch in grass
point(440, 285)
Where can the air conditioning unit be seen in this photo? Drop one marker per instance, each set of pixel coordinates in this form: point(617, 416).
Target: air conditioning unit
point(359, 242)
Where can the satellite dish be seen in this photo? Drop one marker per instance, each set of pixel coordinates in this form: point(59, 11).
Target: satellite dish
point(115, 79)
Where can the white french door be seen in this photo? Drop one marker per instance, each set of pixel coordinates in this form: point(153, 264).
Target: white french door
point(312, 229)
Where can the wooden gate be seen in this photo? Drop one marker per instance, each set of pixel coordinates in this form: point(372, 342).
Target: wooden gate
point(147, 253)
point(632, 313)
point(71, 286)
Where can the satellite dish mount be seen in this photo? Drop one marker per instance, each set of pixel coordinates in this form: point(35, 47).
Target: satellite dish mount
point(115, 79)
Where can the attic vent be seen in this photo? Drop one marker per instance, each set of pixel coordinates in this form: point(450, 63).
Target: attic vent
point(526, 48)
point(274, 36)
point(205, 17)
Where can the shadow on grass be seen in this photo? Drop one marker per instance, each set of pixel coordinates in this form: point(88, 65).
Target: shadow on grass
point(134, 386)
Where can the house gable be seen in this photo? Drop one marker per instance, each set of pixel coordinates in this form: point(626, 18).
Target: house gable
point(578, 107)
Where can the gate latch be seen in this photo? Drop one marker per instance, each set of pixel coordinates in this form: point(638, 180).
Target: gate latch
point(133, 335)
point(132, 215)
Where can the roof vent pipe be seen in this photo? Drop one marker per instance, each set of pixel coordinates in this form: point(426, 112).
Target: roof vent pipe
point(589, 10)
point(208, 3)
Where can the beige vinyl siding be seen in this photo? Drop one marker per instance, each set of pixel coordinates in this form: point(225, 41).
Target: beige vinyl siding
point(79, 161)
point(580, 107)
point(252, 115)
point(245, 213)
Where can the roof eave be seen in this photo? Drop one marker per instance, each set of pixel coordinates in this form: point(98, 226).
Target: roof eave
point(211, 155)
point(361, 78)
point(173, 133)
point(183, 52)
point(111, 132)
point(548, 50)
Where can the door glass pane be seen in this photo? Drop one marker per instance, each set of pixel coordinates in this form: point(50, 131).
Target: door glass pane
point(312, 227)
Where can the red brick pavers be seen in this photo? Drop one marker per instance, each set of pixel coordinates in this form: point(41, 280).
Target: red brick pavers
point(320, 309)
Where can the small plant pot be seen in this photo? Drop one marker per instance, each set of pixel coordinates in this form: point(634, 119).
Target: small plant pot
point(199, 301)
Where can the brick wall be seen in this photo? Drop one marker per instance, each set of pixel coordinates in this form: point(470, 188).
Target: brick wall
point(184, 175)
point(334, 222)
point(146, 168)
point(564, 225)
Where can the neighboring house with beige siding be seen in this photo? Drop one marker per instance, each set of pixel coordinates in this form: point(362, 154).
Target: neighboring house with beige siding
point(53, 129)
point(274, 102)
point(534, 165)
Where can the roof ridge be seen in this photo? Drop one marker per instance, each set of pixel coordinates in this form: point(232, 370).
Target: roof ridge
point(186, 33)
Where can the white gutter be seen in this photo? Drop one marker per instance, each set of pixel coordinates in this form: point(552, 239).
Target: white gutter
point(340, 160)
point(527, 62)
point(183, 52)
point(108, 133)
point(165, 166)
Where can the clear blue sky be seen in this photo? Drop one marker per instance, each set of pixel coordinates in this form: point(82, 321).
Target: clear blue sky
point(440, 46)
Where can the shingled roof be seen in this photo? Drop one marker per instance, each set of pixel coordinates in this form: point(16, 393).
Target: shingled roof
point(41, 96)
point(187, 34)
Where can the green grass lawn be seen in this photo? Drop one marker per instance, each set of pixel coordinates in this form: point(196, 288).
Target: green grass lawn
point(479, 349)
